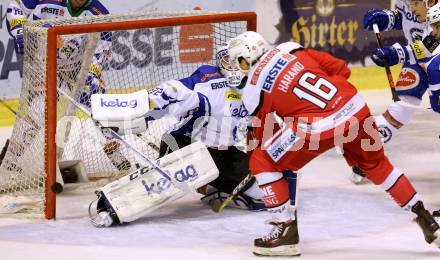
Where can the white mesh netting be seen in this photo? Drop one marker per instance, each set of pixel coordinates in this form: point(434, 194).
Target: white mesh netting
point(112, 61)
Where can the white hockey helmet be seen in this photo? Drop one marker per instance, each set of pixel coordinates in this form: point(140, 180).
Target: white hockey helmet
point(433, 14)
point(232, 75)
point(249, 46)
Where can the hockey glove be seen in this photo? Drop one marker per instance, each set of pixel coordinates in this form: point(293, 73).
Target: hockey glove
point(19, 44)
point(391, 55)
point(384, 19)
point(434, 98)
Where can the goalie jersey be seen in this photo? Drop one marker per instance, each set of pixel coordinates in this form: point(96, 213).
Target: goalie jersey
point(203, 107)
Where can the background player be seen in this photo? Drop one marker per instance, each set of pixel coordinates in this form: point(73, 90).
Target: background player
point(410, 17)
point(69, 61)
point(309, 89)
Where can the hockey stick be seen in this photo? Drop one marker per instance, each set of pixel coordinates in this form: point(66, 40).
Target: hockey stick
point(179, 185)
point(217, 206)
point(387, 68)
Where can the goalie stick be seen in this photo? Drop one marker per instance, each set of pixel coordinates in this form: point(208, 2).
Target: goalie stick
point(387, 68)
point(218, 206)
point(181, 185)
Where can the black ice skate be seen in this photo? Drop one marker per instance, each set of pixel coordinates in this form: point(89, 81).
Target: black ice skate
point(427, 223)
point(281, 241)
point(436, 213)
point(357, 176)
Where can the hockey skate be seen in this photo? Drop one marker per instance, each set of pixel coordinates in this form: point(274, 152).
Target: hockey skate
point(105, 215)
point(357, 176)
point(281, 241)
point(436, 214)
point(427, 223)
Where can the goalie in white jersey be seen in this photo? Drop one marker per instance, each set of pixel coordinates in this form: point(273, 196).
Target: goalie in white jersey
point(206, 107)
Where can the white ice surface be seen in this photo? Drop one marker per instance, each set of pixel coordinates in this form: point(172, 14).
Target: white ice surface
point(337, 220)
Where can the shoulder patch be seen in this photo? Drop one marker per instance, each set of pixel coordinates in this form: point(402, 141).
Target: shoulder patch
point(430, 43)
point(205, 76)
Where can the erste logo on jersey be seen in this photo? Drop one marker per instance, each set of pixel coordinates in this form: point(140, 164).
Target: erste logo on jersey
point(52, 10)
point(262, 65)
point(275, 70)
point(408, 79)
point(218, 85)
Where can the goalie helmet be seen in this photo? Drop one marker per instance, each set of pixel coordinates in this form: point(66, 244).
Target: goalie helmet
point(249, 46)
point(233, 76)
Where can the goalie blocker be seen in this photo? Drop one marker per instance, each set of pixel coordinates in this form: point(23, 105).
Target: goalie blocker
point(145, 190)
point(124, 113)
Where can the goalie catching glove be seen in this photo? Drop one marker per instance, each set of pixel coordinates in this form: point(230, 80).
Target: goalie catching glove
point(124, 113)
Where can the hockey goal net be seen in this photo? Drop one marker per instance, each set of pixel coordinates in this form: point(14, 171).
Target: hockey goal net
point(126, 53)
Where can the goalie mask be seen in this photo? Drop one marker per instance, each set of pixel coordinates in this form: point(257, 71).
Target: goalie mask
point(233, 76)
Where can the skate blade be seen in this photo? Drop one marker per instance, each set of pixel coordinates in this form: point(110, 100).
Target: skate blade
point(288, 250)
point(437, 240)
point(357, 179)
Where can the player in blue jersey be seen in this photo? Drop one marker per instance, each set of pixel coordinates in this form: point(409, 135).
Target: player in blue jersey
point(69, 58)
point(20, 11)
point(410, 17)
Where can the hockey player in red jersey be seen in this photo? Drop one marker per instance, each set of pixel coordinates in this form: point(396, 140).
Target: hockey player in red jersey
point(306, 93)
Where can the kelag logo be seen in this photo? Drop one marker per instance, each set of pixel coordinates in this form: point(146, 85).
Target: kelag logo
point(119, 103)
point(187, 174)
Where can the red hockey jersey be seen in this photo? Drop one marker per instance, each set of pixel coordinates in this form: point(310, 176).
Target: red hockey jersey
point(305, 85)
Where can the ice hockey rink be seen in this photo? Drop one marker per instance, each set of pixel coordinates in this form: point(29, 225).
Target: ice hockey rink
point(337, 220)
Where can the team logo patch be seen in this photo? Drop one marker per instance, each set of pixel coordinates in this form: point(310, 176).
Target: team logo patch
point(279, 145)
point(207, 76)
point(263, 64)
point(385, 133)
point(232, 95)
point(408, 79)
point(418, 49)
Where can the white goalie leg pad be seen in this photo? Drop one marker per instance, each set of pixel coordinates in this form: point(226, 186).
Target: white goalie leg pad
point(135, 195)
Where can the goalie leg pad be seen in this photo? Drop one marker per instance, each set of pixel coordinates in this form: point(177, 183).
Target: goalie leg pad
point(144, 190)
